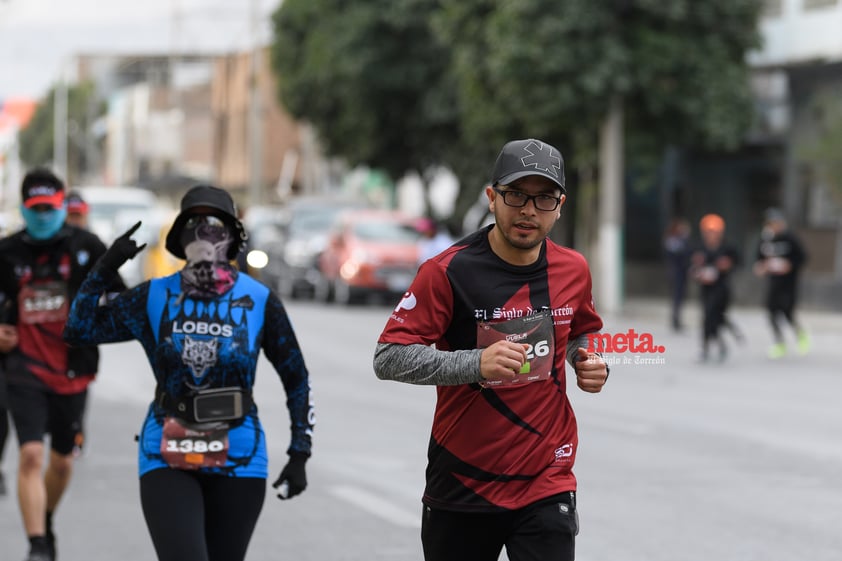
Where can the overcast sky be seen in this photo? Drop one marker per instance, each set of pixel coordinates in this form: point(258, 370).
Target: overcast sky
point(38, 36)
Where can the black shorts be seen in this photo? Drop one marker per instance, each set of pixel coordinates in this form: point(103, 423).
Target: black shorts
point(545, 530)
point(781, 299)
point(37, 412)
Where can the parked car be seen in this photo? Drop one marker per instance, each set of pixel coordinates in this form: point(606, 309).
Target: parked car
point(114, 209)
point(265, 226)
point(157, 261)
point(369, 252)
point(305, 237)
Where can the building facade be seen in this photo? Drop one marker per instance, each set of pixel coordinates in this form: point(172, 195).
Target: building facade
point(786, 161)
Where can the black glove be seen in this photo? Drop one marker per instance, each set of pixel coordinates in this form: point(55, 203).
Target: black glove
point(293, 478)
point(123, 249)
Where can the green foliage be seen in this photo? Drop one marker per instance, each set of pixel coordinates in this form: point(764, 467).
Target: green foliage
point(36, 140)
point(690, 83)
point(533, 66)
point(401, 84)
point(822, 151)
point(368, 75)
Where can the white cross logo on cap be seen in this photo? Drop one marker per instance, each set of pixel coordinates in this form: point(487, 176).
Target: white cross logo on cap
point(542, 157)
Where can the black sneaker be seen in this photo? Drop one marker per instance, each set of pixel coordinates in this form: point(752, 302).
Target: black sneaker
point(38, 555)
point(39, 549)
point(51, 545)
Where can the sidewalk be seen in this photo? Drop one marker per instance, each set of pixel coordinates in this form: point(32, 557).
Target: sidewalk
point(653, 317)
point(655, 309)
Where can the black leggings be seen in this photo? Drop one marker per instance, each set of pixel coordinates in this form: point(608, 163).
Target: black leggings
point(715, 300)
point(4, 430)
point(4, 413)
point(199, 517)
point(781, 302)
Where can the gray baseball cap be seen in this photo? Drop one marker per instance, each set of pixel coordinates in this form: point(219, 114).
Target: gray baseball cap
point(520, 158)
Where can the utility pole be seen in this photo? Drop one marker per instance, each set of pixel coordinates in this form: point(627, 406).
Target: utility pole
point(60, 124)
point(172, 60)
point(255, 128)
point(611, 211)
point(177, 113)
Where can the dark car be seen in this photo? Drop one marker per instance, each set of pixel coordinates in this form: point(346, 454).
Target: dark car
point(306, 233)
point(369, 253)
point(265, 226)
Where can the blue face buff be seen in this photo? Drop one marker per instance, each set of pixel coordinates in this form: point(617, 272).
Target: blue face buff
point(43, 225)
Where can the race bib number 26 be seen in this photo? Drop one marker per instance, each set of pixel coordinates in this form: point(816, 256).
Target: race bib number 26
point(536, 332)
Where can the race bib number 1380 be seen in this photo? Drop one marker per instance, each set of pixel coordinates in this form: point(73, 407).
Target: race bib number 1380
point(184, 447)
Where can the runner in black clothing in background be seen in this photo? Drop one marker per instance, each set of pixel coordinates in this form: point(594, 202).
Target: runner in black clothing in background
point(677, 250)
point(490, 321)
point(202, 452)
point(780, 257)
point(712, 265)
point(41, 268)
point(4, 410)
point(77, 210)
point(8, 335)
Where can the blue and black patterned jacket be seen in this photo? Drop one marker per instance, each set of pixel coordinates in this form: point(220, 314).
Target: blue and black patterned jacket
point(196, 343)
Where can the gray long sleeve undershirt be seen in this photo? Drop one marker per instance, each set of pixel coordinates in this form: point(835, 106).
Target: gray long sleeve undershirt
point(581, 341)
point(426, 365)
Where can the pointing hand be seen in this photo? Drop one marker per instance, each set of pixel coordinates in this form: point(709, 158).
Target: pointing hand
point(123, 249)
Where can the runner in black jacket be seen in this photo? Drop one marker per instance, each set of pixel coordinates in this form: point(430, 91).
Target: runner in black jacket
point(202, 452)
point(712, 266)
point(780, 257)
point(41, 268)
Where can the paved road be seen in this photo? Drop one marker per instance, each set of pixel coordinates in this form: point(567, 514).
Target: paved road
point(678, 461)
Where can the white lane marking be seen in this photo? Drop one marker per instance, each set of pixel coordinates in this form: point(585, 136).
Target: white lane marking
point(377, 506)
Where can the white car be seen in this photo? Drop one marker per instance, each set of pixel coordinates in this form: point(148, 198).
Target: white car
point(114, 209)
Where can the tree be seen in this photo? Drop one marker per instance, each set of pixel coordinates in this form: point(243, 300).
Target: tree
point(404, 83)
point(552, 68)
point(370, 77)
point(822, 149)
point(36, 140)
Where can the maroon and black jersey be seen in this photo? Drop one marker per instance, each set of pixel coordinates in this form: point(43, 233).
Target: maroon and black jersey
point(504, 446)
point(38, 280)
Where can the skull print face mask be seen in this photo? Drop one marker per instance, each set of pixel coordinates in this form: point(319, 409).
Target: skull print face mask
point(208, 273)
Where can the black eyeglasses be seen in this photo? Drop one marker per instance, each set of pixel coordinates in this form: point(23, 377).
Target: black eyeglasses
point(519, 199)
point(209, 219)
